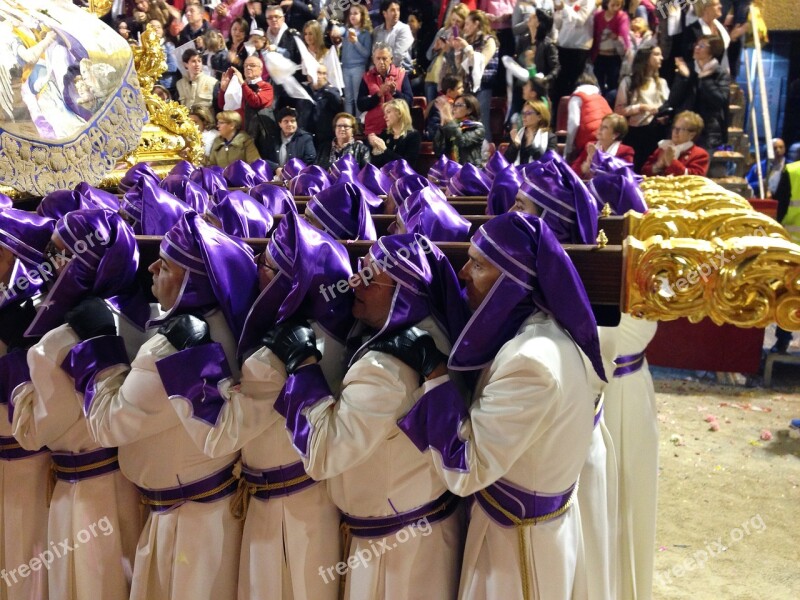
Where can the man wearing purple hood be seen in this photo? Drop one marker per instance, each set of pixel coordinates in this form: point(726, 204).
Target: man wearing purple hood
point(521, 445)
point(206, 281)
point(89, 489)
point(291, 527)
point(398, 517)
point(24, 474)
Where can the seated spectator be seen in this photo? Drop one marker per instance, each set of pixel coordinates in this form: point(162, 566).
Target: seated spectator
point(380, 84)
point(639, 98)
point(534, 138)
point(452, 88)
point(232, 143)
point(202, 117)
point(770, 170)
point(461, 134)
point(292, 143)
point(226, 13)
point(586, 109)
point(196, 87)
point(611, 42)
point(327, 104)
point(344, 143)
point(196, 25)
point(399, 139)
point(680, 155)
point(609, 139)
point(705, 88)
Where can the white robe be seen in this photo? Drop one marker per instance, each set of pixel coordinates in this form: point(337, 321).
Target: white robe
point(48, 412)
point(192, 550)
point(632, 421)
point(530, 424)
point(23, 518)
point(373, 470)
point(286, 539)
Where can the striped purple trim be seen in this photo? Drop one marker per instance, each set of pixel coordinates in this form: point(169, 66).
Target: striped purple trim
point(628, 364)
point(375, 527)
point(209, 489)
point(11, 450)
point(77, 466)
point(521, 503)
point(278, 478)
point(598, 409)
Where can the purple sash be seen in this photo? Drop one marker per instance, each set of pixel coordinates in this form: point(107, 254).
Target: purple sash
point(209, 489)
point(629, 363)
point(598, 408)
point(75, 467)
point(284, 480)
point(11, 450)
point(375, 527)
point(509, 505)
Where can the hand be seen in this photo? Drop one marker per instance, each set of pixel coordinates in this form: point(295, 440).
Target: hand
point(186, 331)
point(238, 75)
point(222, 10)
point(351, 35)
point(14, 321)
point(225, 80)
point(294, 342)
point(414, 347)
point(278, 173)
point(91, 318)
point(680, 66)
point(591, 148)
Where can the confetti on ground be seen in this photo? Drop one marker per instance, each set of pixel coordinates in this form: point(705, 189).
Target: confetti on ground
point(766, 435)
point(714, 426)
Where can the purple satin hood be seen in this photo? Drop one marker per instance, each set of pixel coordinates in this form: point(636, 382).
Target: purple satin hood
point(343, 212)
point(504, 191)
point(536, 273)
point(372, 178)
point(263, 171)
point(153, 210)
point(615, 183)
point(5, 201)
point(397, 168)
point(241, 215)
point(277, 200)
point(311, 180)
point(442, 170)
point(220, 271)
point(496, 163)
point(428, 213)
point(292, 169)
point(104, 264)
point(56, 204)
point(240, 174)
point(26, 236)
point(182, 168)
point(310, 265)
point(468, 181)
point(345, 165)
point(209, 178)
point(134, 174)
point(405, 186)
point(191, 193)
point(427, 285)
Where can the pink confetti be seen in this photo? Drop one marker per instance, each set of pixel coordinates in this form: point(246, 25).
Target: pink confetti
point(710, 419)
point(714, 426)
point(766, 435)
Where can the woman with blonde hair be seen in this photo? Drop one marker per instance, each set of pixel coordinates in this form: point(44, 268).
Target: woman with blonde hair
point(312, 36)
point(232, 143)
point(399, 140)
point(356, 48)
point(455, 20)
point(534, 138)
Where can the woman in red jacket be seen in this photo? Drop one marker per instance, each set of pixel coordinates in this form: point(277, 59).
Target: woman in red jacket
point(679, 155)
point(612, 129)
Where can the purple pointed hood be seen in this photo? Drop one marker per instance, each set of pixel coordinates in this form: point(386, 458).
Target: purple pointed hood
point(402, 188)
point(372, 178)
point(496, 163)
point(312, 180)
point(182, 168)
point(615, 183)
point(58, 203)
point(469, 181)
point(504, 191)
point(346, 164)
point(97, 198)
point(263, 171)
point(240, 215)
point(5, 201)
point(310, 265)
point(398, 168)
point(104, 261)
point(134, 174)
point(220, 271)
point(191, 193)
point(239, 174)
point(426, 286)
point(277, 200)
point(535, 273)
point(26, 236)
point(442, 170)
point(292, 169)
point(209, 178)
point(152, 210)
point(342, 211)
point(428, 213)
point(563, 202)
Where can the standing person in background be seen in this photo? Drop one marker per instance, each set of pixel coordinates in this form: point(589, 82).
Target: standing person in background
point(169, 78)
point(399, 139)
point(498, 12)
point(707, 24)
point(380, 84)
point(611, 41)
point(395, 34)
point(788, 196)
point(436, 53)
point(356, 48)
point(771, 170)
point(254, 15)
point(575, 24)
point(237, 51)
point(225, 13)
point(216, 53)
point(419, 59)
point(639, 99)
point(327, 104)
point(586, 109)
point(327, 58)
point(196, 87)
point(196, 25)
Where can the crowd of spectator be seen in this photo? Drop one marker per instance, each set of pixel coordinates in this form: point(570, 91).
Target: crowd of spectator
point(369, 64)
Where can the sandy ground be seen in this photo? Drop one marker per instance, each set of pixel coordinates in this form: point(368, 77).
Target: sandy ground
point(729, 501)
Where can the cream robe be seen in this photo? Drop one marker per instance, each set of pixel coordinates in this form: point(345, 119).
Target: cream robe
point(632, 421)
point(286, 539)
point(530, 424)
point(191, 551)
point(373, 470)
point(49, 412)
point(23, 518)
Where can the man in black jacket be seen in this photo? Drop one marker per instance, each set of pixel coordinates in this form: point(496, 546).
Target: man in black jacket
point(292, 143)
point(328, 103)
